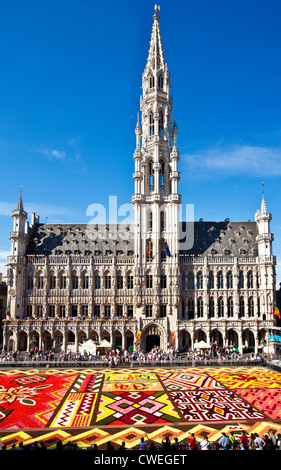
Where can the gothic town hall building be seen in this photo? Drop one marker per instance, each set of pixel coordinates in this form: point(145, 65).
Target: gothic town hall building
point(140, 285)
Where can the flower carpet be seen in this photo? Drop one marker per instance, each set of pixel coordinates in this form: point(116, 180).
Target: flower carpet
point(94, 406)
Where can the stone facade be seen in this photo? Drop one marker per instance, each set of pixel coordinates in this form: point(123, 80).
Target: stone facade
point(138, 285)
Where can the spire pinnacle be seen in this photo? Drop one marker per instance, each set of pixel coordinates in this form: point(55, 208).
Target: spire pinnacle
point(20, 203)
point(155, 54)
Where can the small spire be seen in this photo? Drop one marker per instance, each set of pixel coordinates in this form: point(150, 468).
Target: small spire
point(20, 203)
point(263, 204)
point(156, 58)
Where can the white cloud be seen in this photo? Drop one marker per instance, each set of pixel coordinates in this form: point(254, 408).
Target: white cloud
point(46, 210)
point(236, 159)
point(58, 154)
point(4, 254)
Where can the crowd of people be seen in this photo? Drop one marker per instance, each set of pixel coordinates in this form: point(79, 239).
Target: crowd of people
point(231, 441)
point(118, 356)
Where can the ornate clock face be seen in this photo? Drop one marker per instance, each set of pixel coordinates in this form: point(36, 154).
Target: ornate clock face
point(12, 292)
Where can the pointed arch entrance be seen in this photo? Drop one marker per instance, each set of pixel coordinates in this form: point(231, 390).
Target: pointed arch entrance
point(152, 336)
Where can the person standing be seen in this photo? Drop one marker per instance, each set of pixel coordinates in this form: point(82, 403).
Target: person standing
point(259, 442)
point(244, 440)
point(192, 442)
point(205, 444)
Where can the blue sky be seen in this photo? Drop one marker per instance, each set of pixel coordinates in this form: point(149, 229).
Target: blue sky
point(70, 93)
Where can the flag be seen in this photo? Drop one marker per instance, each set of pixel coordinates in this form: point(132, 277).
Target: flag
point(167, 250)
point(138, 335)
point(148, 251)
point(172, 336)
point(7, 312)
point(276, 311)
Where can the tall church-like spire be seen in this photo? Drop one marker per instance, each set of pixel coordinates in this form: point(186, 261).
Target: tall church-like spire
point(156, 198)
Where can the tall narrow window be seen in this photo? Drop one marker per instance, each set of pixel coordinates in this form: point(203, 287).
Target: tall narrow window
point(211, 280)
point(119, 282)
point(220, 280)
point(62, 311)
point(85, 282)
point(97, 281)
point(163, 311)
point(229, 280)
point(190, 308)
point(63, 282)
point(151, 81)
point(160, 81)
point(151, 124)
point(75, 281)
point(162, 221)
point(241, 307)
point(130, 281)
point(161, 123)
point(151, 176)
point(40, 282)
point(250, 280)
point(200, 307)
point(200, 280)
point(221, 307)
point(108, 282)
point(251, 307)
point(148, 311)
point(211, 308)
point(149, 282)
point(190, 280)
point(161, 175)
point(230, 307)
point(241, 280)
point(30, 282)
point(163, 281)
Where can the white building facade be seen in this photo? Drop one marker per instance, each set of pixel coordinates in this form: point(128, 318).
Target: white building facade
point(140, 285)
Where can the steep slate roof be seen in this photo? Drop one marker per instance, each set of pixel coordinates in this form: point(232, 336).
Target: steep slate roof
point(205, 238)
point(223, 238)
point(77, 239)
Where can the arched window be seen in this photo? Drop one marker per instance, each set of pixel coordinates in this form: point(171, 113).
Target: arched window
point(161, 175)
point(229, 280)
point(151, 81)
point(160, 81)
point(220, 280)
point(151, 124)
point(151, 176)
point(162, 220)
point(221, 307)
point(200, 308)
point(251, 307)
point(190, 308)
point(250, 280)
point(241, 280)
point(190, 280)
point(230, 306)
point(241, 307)
point(200, 280)
point(211, 280)
point(211, 308)
point(161, 123)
